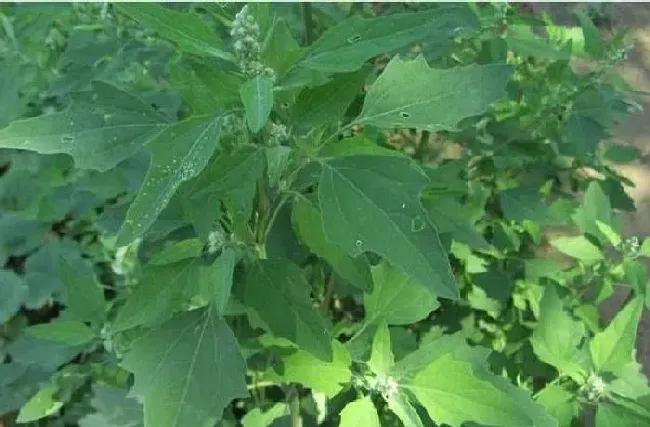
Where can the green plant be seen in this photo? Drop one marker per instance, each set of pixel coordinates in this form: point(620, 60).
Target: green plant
point(241, 228)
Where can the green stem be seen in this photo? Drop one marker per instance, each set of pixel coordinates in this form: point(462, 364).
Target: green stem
point(294, 407)
point(307, 23)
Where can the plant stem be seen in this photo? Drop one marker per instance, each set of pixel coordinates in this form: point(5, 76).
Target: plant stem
point(294, 406)
point(307, 22)
point(329, 291)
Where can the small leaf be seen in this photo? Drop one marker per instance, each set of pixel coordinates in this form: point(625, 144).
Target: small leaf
point(381, 356)
point(113, 408)
point(359, 195)
point(557, 337)
point(177, 251)
point(524, 203)
point(41, 405)
point(257, 96)
point(257, 418)
point(84, 295)
point(301, 367)
point(636, 274)
point(326, 104)
point(449, 216)
point(630, 382)
point(396, 298)
point(347, 45)
point(230, 178)
point(613, 348)
point(560, 403)
point(523, 41)
point(216, 289)
point(185, 29)
point(361, 412)
point(308, 224)
point(578, 247)
point(71, 332)
point(595, 207)
point(410, 94)
point(401, 406)
point(591, 35)
point(610, 414)
point(13, 291)
point(99, 129)
point(609, 232)
point(178, 154)
point(187, 370)
point(278, 292)
point(622, 154)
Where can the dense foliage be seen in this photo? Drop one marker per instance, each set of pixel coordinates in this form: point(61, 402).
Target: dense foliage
point(319, 215)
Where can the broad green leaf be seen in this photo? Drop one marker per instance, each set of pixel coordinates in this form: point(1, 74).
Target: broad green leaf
point(301, 367)
point(13, 291)
point(591, 35)
point(644, 250)
point(609, 414)
point(559, 403)
point(557, 337)
point(613, 348)
point(361, 412)
point(178, 153)
point(279, 49)
point(582, 136)
point(71, 332)
point(630, 382)
point(356, 146)
point(278, 287)
point(216, 288)
point(257, 96)
point(410, 94)
point(362, 195)
point(578, 247)
point(396, 298)
point(408, 367)
point(636, 274)
point(622, 154)
point(187, 370)
point(113, 408)
point(177, 251)
point(41, 405)
point(326, 104)
point(524, 203)
point(99, 129)
point(230, 178)
point(83, 293)
point(381, 356)
point(453, 393)
point(449, 216)
point(608, 231)
point(204, 87)
point(401, 406)
point(163, 289)
point(523, 41)
point(257, 418)
point(187, 30)
point(307, 222)
point(595, 207)
point(347, 45)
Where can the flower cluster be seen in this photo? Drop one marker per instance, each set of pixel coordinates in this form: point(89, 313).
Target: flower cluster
point(216, 240)
point(126, 259)
point(595, 388)
point(278, 134)
point(631, 245)
point(246, 35)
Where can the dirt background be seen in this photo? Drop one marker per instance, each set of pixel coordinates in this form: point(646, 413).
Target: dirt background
point(634, 130)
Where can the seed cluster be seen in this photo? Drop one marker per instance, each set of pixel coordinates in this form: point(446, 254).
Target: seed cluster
point(246, 36)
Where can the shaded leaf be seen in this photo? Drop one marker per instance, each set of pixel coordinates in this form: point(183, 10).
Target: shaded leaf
point(71, 332)
point(187, 370)
point(524, 203)
point(113, 409)
point(401, 406)
point(410, 94)
point(610, 414)
point(83, 293)
point(396, 298)
point(187, 30)
point(449, 216)
point(13, 291)
point(308, 224)
point(273, 287)
point(613, 348)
